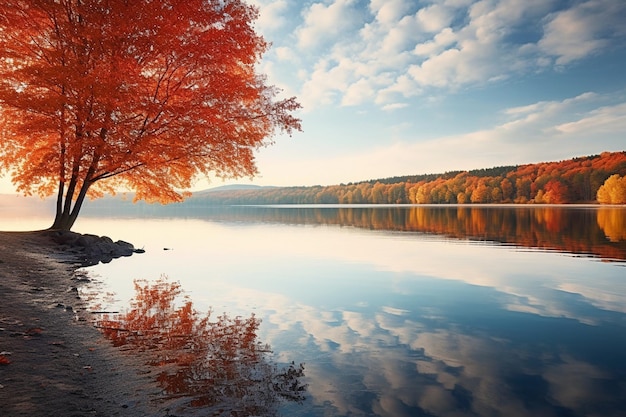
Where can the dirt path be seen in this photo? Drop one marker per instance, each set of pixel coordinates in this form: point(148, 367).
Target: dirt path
point(51, 362)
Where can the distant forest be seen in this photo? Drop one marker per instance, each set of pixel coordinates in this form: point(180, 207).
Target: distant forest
point(571, 181)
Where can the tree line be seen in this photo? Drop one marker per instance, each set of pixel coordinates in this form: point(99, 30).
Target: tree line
point(576, 180)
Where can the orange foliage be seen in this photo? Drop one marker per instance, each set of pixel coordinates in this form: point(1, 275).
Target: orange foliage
point(555, 192)
point(214, 363)
point(613, 191)
point(143, 94)
point(572, 181)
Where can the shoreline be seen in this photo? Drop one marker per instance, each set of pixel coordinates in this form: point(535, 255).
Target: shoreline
point(52, 360)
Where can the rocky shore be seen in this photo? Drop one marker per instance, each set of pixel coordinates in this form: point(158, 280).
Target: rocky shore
point(53, 362)
point(89, 249)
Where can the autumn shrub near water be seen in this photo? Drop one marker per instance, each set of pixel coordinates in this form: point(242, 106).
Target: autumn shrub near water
point(213, 363)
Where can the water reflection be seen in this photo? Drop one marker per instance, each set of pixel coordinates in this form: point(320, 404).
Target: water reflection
point(613, 223)
point(589, 230)
point(452, 349)
point(412, 324)
point(218, 365)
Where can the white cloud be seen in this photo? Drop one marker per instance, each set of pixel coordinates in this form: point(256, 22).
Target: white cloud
point(272, 15)
point(388, 12)
point(442, 40)
point(602, 120)
point(403, 86)
point(544, 115)
point(323, 84)
point(442, 45)
point(358, 92)
point(284, 53)
point(521, 110)
point(434, 18)
point(399, 38)
point(583, 30)
point(478, 52)
point(394, 106)
point(326, 22)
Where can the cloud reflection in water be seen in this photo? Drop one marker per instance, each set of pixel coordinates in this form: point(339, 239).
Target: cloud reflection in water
point(452, 358)
point(407, 324)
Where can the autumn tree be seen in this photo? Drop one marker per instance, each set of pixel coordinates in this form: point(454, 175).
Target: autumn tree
point(481, 193)
point(507, 189)
point(613, 191)
point(555, 192)
point(100, 95)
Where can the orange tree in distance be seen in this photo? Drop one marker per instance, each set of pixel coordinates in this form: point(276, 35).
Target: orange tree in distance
point(144, 94)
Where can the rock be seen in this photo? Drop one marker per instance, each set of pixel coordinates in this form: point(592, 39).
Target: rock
point(87, 240)
point(91, 249)
point(124, 248)
point(64, 237)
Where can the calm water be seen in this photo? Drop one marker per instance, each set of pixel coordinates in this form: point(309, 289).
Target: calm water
point(411, 311)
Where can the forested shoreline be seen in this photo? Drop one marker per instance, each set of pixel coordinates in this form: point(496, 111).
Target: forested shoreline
point(584, 180)
point(577, 180)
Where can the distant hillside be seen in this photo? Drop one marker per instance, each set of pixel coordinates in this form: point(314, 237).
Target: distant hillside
point(570, 181)
point(233, 187)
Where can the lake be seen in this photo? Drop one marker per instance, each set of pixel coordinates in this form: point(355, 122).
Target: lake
point(405, 310)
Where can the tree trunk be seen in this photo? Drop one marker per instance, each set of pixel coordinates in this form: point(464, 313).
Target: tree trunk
point(66, 215)
point(62, 222)
point(59, 206)
point(62, 219)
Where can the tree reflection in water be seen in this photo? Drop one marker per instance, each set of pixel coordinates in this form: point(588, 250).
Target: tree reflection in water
point(217, 364)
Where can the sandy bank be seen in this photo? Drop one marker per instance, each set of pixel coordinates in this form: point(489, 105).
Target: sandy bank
point(52, 361)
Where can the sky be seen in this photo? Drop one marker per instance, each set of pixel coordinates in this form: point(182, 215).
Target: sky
point(406, 87)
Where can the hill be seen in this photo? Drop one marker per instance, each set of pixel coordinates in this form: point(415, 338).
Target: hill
point(232, 187)
point(575, 180)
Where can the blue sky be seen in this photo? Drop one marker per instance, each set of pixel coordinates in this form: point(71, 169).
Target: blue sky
point(396, 87)
point(399, 87)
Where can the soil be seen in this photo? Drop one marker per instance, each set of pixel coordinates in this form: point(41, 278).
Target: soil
point(53, 362)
